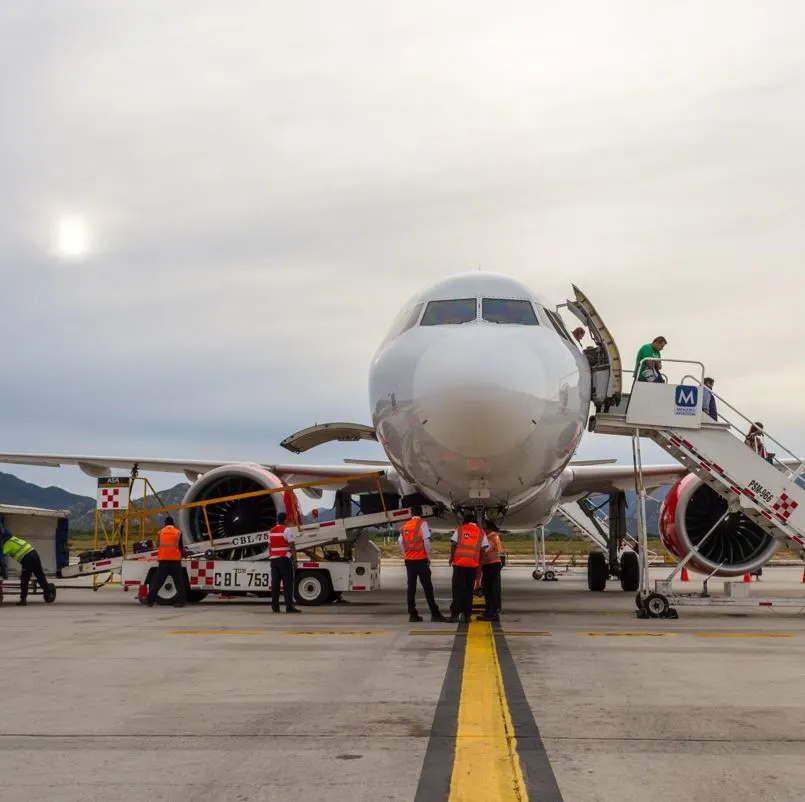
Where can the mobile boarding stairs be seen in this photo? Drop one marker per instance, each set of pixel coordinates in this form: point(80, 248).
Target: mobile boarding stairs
point(764, 491)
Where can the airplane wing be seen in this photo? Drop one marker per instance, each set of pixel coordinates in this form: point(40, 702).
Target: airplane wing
point(293, 474)
point(584, 479)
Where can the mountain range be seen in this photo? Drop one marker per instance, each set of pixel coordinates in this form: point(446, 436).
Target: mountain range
point(82, 508)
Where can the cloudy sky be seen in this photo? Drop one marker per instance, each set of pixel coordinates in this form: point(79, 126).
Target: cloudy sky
point(256, 187)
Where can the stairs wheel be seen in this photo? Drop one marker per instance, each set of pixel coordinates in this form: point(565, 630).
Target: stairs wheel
point(656, 605)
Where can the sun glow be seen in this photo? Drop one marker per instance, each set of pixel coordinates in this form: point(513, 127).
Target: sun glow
point(72, 238)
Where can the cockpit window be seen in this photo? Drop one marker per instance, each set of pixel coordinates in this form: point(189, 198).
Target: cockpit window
point(405, 320)
point(441, 313)
point(504, 310)
point(557, 323)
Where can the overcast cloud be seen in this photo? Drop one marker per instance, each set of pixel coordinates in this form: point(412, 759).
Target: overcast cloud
point(263, 184)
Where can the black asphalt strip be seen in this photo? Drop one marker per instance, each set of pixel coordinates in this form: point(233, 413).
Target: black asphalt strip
point(437, 768)
point(537, 771)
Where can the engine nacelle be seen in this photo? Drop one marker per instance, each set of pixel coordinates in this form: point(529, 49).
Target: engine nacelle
point(688, 513)
point(237, 516)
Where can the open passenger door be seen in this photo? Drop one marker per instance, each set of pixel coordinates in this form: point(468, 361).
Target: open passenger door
point(322, 433)
point(605, 359)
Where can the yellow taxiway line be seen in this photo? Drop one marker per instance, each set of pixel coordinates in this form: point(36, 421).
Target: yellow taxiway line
point(486, 765)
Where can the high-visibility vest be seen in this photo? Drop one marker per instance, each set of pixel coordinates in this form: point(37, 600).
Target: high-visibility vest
point(17, 548)
point(413, 542)
point(468, 547)
point(492, 554)
point(277, 542)
point(169, 544)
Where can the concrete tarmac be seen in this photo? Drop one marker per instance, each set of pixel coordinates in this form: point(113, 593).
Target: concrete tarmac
point(107, 699)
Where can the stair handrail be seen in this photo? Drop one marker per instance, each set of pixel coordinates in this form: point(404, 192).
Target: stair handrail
point(793, 474)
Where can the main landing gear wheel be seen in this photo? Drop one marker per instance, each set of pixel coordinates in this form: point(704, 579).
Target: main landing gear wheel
point(536, 574)
point(550, 576)
point(630, 571)
point(597, 571)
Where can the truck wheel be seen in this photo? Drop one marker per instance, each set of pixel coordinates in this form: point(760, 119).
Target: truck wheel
point(313, 588)
point(167, 594)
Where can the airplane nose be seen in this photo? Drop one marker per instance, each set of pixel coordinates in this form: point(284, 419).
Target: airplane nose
point(480, 392)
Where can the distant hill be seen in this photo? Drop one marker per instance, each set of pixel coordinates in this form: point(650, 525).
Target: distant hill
point(15, 491)
point(82, 508)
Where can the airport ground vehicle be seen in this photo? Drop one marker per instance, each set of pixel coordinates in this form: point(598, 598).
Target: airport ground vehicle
point(335, 556)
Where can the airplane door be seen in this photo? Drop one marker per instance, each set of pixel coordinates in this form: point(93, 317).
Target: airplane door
point(604, 358)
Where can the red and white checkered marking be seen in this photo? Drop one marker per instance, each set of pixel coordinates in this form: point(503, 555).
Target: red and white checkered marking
point(110, 498)
point(200, 573)
point(113, 497)
point(784, 506)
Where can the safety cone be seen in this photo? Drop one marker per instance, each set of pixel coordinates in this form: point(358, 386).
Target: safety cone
point(803, 576)
point(684, 574)
point(747, 578)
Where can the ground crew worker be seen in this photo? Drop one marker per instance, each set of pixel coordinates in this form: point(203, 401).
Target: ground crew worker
point(466, 545)
point(282, 556)
point(3, 573)
point(169, 557)
point(28, 558)
point(490, 581)
point(414, 543)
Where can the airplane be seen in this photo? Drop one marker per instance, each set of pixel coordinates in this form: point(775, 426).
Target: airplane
point(479, 398)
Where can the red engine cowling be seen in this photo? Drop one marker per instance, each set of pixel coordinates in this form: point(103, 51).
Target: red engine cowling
point(688, 513)
point(239, 516)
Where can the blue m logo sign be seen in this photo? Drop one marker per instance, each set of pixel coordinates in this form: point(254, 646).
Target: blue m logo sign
point(687, 397)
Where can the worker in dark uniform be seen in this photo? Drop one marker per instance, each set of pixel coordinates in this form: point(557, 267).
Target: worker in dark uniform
point(28, 558)
point(466, 546)
point(491, 566)
point(414, 541)
point(282, 557)
point(169, 557)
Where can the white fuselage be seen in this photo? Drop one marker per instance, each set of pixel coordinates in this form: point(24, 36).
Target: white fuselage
point(474, 413)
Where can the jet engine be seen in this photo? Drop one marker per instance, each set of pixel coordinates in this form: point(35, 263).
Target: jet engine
point(688, 513)
point(236, 516)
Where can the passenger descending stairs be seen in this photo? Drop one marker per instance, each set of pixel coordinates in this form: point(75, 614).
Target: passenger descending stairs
point(765, 493)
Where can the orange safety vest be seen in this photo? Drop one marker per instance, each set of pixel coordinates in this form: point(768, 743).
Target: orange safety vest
point(277, 542)
point(169, 544)
point(468, 547)
point(413, 542)
point(492, 554)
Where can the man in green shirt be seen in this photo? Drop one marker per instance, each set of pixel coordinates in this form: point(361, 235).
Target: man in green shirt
point(28, 558)
point(649, 371)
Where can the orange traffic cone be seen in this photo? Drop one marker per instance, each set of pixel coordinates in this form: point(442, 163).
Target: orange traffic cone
point(684, 577)
point(747, 578)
